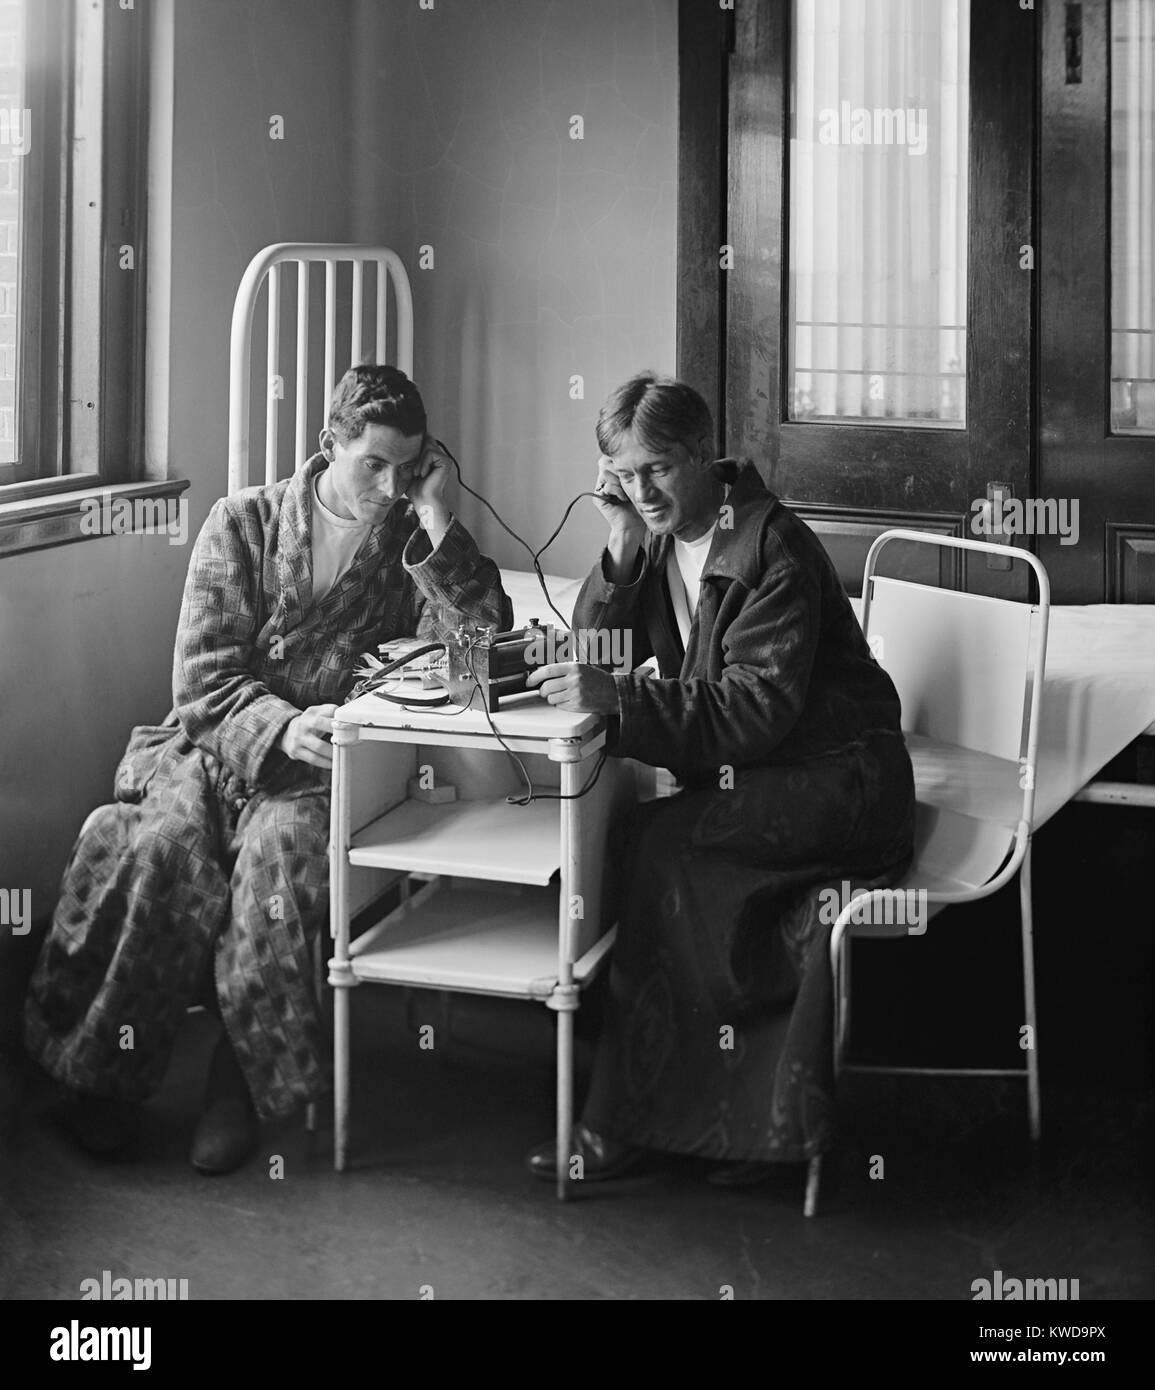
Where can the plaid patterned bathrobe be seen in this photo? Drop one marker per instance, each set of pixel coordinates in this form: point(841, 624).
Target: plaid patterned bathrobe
point(786, 735)
point(215, 852)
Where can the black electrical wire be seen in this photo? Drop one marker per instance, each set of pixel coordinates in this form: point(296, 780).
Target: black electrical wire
point(563, 521)
point(574, 796)
point(534, 555)
point(531, 794)
point(434, 709)
point(528, 780)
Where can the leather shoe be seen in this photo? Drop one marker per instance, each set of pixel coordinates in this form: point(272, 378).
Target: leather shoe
point(749, 1173)
point(226, 1135)
point(101, 1126)
point(602, 1158)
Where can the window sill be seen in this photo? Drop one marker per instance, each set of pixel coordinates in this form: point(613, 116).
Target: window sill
point(90, 513)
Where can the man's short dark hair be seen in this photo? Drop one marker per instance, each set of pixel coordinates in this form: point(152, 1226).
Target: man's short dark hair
point(660, 410)
point(370, 394)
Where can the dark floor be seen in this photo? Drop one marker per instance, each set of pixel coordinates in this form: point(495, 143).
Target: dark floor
point(437, 1195)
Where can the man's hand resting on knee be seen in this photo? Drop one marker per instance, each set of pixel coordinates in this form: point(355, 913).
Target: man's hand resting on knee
point(306, 738)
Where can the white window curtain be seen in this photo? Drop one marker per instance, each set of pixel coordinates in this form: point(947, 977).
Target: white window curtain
point(878, 211)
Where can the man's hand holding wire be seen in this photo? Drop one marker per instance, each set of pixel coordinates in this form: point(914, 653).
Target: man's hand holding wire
point(627, 529)
point(610, 499)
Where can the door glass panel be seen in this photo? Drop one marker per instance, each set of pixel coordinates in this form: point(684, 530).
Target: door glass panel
point(878, 212)
point(1133, 216)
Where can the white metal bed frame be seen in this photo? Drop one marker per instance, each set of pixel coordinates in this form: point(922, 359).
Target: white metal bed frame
point(267, 264)
point(1102, 792)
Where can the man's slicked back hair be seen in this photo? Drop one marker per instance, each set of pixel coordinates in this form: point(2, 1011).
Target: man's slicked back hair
point(371, 394)
point(660, 411)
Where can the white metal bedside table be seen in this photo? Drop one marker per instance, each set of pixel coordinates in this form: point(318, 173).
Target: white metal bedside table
point(512, 902)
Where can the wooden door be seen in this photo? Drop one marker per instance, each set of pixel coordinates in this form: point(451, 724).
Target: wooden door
point(1096, 347)
point(850, 476)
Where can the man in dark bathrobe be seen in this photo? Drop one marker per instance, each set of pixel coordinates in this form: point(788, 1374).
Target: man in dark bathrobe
point(213, 860)
point(785, 735)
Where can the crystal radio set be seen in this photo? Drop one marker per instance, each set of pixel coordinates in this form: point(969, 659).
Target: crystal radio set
point(424, 674)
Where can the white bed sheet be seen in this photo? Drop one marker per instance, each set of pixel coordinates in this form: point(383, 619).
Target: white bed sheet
point(1098, 694)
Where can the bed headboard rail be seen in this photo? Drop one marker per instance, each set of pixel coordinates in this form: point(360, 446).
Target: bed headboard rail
point(266, 266)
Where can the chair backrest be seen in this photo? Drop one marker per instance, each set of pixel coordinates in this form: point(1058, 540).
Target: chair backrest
point(310, 406)
point(960, 662)
point(969, 671)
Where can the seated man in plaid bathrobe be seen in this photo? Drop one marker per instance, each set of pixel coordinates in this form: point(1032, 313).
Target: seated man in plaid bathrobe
point(208, 878)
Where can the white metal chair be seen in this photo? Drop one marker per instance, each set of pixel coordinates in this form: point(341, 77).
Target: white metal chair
point(969, 671)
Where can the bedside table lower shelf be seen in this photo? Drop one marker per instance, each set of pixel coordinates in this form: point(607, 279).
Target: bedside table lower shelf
point(480, 939)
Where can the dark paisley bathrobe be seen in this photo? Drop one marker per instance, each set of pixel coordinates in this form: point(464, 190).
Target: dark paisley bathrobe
point(215, 852)
point(785, 733)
